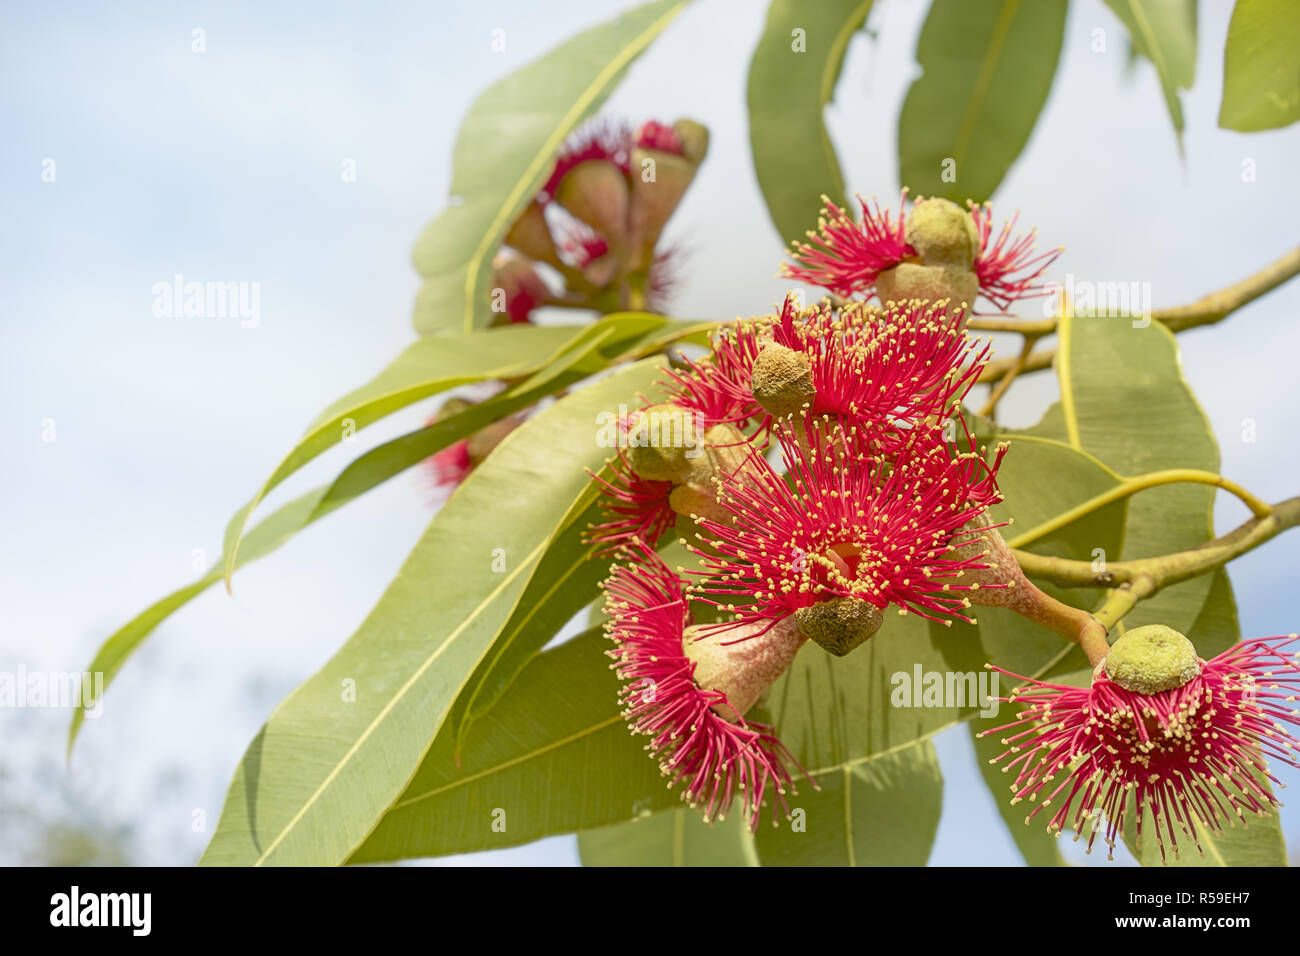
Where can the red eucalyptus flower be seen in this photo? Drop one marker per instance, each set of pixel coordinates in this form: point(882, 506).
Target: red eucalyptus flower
point(843, 523)
point(847, 257)
point(1006, 266)
point(608, 141)
point(868, 368)
point(635, 508)
point(656, 135)
point(1191, 746)
point(698, 733)
point(449, 467)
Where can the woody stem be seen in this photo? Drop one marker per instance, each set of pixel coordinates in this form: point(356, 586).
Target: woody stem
point(1140, 578)
point(1204, 311)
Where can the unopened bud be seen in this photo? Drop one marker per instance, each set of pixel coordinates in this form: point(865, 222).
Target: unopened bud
point(694, 138)
point(532, 236)
point(942, 233)
point(1152, 659)
point(664, 443)
point(595, 191)
point(840, 624)
point(656, 195)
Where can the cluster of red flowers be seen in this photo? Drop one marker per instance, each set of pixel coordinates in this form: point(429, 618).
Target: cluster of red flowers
point(874, 498)
point(598, 218)
point(878, 504)
point(596, 222)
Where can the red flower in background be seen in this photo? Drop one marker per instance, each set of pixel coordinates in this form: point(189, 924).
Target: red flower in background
point(847, 256)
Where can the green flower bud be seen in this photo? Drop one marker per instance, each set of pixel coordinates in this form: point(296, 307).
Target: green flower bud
point(532, 236)
point(694, 138)
point(1152, 659)
point(664, 443)
point(840, 624)
point(596, 192)
point(943, 233)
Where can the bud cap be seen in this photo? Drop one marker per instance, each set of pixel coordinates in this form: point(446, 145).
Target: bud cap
point(1152, 659)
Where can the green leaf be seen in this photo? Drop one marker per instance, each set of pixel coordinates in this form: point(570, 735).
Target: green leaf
point(1261, 76)
point(988, 67)
point(1036, 845)
point(304, 796)
point(512, 732)
point(553, 754)
point(373, 468)
point(1124, 400)
point(792, 76)
point(431, 366)
point(670, 838)
point(1164, 31)
point(419, 372)
point(567, 580)
point(878, 811)
point(504, 152)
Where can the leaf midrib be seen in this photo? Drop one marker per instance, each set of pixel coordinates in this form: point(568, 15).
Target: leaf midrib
point(983, 80)
point(402, 691)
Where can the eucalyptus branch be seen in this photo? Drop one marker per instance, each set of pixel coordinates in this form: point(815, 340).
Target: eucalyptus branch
point(1142, 577)
point(991, 406)
point(1204, 311)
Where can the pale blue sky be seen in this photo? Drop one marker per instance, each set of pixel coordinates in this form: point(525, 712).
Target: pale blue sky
point(225, 166)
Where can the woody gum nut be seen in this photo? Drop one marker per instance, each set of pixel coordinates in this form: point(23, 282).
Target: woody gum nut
point(595, 191)
point(740, 662)
point(781, 381)
point(909, 280)
point(664, 444)
point(840, 624)
point(1152, 659)
point(942, 233)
